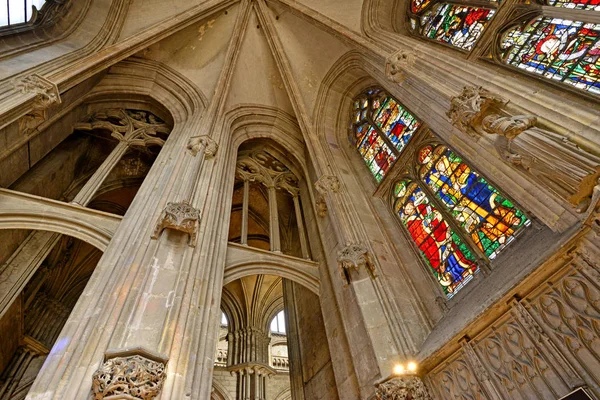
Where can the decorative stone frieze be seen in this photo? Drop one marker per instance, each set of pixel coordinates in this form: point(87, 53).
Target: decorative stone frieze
point(131, 376)
point(478, 369)
point(47, 94)
point(398, 63)
point(353, 257)
point(203, 143)
point(403, 388)
point(327, 184)
point(180, 217)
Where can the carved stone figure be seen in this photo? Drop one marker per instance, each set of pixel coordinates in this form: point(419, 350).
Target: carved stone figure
point(204, 143)
point(550, 158)
point(398, 63)
point(353, 257)
point(180, 217)
point(134, 377)
point(403, 388)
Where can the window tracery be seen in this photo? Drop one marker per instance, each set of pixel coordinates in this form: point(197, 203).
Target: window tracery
point(454, 216)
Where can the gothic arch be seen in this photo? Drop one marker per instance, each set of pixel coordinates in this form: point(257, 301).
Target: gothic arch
point(285, 394)
point(219, 392)
point(307, 276)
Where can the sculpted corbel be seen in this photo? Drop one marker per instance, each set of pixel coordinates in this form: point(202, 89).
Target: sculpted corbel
point(354, 256)
point(135, 375)
point(397, 64)
point(46, 94)
point(552, 159)
point(203, 143)
point(180, 217)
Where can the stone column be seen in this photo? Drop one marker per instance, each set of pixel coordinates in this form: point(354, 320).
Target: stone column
point(244, 236)
point(274, 220)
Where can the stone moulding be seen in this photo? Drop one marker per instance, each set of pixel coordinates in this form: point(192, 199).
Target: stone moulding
point(403, 388)
point(203, 143)
point(257, 369)
point(353, 257)
point(180, 217)
point(134, 374)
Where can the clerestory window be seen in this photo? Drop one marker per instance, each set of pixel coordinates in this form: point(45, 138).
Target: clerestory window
point(17, 12)
point(456, 218)
point(558, 45)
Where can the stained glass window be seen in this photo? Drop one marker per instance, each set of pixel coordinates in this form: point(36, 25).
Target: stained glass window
point(576, 4)
point(567, 51)
point(14, 12)
point(489, 218)
point(448, 257)
point(380, 130)
point(457, 25)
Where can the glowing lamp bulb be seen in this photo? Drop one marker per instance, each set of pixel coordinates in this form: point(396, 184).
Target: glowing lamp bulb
point(412, 366)
point(398, 369)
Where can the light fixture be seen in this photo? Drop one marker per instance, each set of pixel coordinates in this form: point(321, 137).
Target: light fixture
point(399, 369)
point(412, 366)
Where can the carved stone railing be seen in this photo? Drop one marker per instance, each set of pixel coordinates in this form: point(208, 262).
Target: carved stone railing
point(278, 362)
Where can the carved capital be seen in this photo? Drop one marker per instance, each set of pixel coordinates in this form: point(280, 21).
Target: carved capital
point(203, 143)
point(257, 369)
point(180, 217)
point(326, 184)
point(403, 388)
point(132, 377)
point(398, 63)
point(353, 257)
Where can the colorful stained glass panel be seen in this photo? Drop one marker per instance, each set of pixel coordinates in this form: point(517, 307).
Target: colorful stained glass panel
point(377, 154)
point(418, 5)
point(558, 49)
point(456, 25)
point(490, 219)
point(448, 257)
point(397, 123)
point(576, 4)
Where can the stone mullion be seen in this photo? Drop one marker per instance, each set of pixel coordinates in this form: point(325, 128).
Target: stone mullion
point(245, 205)
point(274, 220)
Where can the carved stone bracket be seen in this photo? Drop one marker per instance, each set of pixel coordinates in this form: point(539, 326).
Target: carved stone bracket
point(477, 110)
point(180, 217)
point(321, 207)
point(135, 375)
point(203, 143)
point(353, 257)
point(397, 64)
point(403, 388)
point(46, 93)
point(327, 184)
